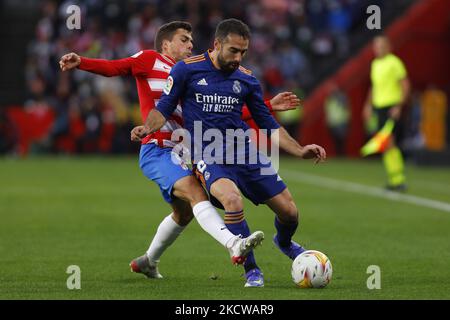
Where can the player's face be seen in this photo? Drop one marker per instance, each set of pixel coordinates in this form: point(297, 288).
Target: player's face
point(380, 46)
point(231, 52)
point(181, 45)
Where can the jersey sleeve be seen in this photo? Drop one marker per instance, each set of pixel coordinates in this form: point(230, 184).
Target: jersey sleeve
point(107, 68)
point(246, 115)
point(135, 65)
point(258, 109)
point(173, 90)
point(143, 62)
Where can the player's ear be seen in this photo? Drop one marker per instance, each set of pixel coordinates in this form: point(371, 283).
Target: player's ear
point(217, 44)
point(165, 45)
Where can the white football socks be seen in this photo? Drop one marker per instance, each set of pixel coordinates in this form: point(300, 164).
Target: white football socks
point(166, 234)
point(211, 221)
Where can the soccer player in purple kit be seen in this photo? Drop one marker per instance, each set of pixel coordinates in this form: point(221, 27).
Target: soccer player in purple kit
point(212, 88)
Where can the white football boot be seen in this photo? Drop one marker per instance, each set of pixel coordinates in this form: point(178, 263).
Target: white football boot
point(143, 265)
point(239, 247)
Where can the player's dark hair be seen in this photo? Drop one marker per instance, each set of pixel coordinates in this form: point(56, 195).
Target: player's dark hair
point(232, 26)
point(166, 32)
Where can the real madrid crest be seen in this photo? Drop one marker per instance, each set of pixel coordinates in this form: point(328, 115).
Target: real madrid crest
point(236, 87)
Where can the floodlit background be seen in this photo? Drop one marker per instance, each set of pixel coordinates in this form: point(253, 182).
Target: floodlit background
point(71, 191)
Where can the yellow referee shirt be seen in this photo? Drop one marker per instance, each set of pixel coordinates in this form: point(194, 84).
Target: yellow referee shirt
point(385, 75)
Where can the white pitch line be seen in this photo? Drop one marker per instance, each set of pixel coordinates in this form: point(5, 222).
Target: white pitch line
point(341, 185)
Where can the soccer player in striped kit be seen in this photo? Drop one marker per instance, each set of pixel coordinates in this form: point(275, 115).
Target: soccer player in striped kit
point(179, 188)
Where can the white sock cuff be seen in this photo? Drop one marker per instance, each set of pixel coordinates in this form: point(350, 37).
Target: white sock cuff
point(201, 207)
point(211, 221)
point(167, 232)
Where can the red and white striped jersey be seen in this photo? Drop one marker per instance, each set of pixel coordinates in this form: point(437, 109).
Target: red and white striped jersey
point(150, 70)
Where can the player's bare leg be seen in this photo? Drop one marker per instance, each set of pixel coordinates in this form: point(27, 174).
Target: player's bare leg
point(228, 194)
point(286, 223)
point(182, 212)
point(226, 191)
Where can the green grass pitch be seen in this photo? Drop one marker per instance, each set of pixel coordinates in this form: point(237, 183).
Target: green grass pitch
point(99, 213)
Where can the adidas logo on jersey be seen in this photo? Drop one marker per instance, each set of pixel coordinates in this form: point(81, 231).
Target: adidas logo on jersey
point(202, 82)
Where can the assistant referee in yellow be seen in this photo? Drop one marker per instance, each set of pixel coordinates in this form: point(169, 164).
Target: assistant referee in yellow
point(389, 90)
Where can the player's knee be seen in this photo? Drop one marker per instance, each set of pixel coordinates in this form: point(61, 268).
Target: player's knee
point(197, 193)
point(232, 201)
point(189, 189)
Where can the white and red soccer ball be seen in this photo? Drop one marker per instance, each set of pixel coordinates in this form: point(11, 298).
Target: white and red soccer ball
point(312, 269)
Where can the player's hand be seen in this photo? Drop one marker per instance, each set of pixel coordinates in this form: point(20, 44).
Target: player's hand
point(313, 151)
point(285, 101)
point(138, 133)
point(395, 112)
point(69, 61)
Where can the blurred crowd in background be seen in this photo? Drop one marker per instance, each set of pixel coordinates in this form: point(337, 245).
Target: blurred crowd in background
point(90, 113)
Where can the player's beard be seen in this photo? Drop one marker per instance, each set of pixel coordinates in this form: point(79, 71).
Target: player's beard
point(227, 66)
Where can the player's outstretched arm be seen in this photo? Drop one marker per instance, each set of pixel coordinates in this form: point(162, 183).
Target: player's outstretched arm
point(155, 120)
point(310, 151)
point(281, 102)
point(107, 68)
point(69, 61)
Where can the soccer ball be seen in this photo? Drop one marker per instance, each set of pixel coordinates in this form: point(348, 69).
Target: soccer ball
point(311, 269)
